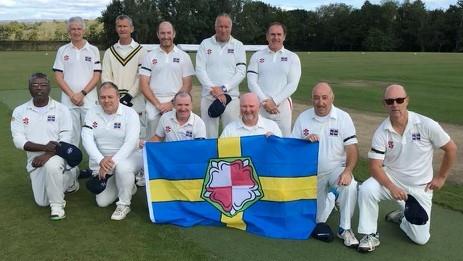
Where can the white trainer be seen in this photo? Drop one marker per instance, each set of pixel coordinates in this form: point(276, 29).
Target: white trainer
point(121, 212)
point(395, 216)
point(349, 238)
point(73, 188)
point(368, 243)
point(57, 213)
point(140, 178)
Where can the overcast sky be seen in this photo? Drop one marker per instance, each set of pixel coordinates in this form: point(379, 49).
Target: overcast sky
point(62, 9)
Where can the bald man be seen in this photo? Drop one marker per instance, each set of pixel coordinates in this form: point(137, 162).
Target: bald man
point(338, 153)
point(400, 167)
point(165, 71)
point(250, 123)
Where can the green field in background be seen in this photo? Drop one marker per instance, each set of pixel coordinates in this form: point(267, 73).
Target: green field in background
point(433, 82)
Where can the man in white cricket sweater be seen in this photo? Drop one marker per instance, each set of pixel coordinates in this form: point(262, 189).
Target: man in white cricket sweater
point(121, 62)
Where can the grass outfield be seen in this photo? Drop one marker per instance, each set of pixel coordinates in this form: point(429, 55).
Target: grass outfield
point(87, 233)
point(433, 80)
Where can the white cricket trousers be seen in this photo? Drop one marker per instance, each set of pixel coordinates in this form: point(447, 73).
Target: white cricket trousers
point(231, 113)
point(153, 115)
point(78, 118)
point(49, 182)
point(347, 197)
point(283, 118)
point(123, 181)
point(371, 193)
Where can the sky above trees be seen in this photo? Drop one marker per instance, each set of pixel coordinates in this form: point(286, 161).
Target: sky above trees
point(62, 9)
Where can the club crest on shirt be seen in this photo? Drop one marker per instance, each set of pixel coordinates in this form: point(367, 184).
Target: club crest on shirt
point(66, 58)
point(261, 60)
point(117, 125)
point(26, 121)
point(306, 132)
point(167, 129)
point(231, 51)
point(94, 124)
point(390, 144)
point(284, 59)
point(189, 134)
point(416, 136)
point(154, 61)
point(176, 60)
point(88, 58)
point(334, 132)
point(51, 118)
point(209, 51)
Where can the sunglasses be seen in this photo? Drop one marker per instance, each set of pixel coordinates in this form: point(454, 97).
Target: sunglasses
point(398, 100)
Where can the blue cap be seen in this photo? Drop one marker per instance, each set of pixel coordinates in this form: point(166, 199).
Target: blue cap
point(217, 107)
point(323, 232)
point(414, 212)
point(70, 153)
point(97, 185)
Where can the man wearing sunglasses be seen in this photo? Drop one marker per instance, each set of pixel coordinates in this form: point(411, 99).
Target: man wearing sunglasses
point(401, 165)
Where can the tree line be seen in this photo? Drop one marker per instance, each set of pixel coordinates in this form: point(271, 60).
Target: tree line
point(389, 26)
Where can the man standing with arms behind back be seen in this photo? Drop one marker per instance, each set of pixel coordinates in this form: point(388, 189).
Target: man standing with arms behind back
point(401, 170)
point(165, 71)
point(273, 74)
point(120, 66)
point(77, 70)
point(220, 67)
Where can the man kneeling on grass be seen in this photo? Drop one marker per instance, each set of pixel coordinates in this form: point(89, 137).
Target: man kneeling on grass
point(37, 126)
point(401, 170)
point(110, 137)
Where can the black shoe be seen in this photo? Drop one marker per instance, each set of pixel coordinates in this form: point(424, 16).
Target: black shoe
point(85, 173)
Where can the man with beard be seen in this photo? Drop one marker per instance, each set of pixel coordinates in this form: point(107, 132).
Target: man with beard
point(251, 123)
point(165, 71)
point(273, 74)
point(36, 127)
point(338, 153)
point(180, 123)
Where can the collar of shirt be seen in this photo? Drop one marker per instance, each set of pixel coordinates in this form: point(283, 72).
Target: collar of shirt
point(102, 112)
point(51, 104)
point(132, 44)
point(214, 40)
point(260, 124)
point(412, 120)
point(86, 45)
point(190, 121)
point(281, 51)
point(160, 50)
point(333, 114)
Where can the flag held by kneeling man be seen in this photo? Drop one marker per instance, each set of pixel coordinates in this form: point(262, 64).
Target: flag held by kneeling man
point(263, 185)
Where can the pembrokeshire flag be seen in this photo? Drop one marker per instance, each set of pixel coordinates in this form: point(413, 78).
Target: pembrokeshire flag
point(263, 185)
